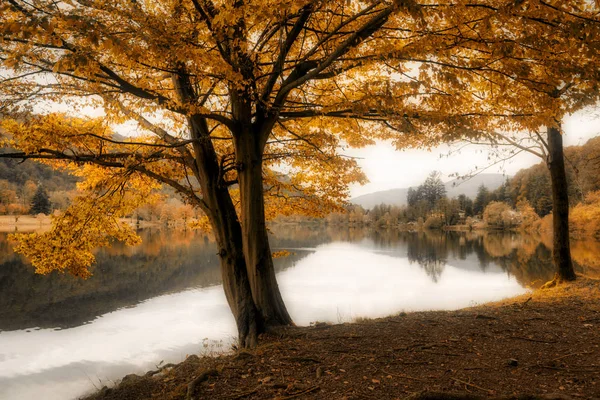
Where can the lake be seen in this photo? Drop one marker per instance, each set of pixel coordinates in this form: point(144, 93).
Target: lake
point(61, 337)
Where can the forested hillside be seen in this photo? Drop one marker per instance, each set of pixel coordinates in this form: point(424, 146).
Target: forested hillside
point(19, 181)
point(583, 175)
point(19, 173)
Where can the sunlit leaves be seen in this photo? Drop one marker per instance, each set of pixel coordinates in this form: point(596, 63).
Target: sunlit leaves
point(93, 220)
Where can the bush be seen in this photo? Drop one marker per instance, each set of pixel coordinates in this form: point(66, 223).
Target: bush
point(499, 215)
point(585, 217)
point(530, 221)
point(435, 221)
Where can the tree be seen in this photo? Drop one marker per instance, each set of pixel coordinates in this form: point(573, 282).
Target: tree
point(226, 93)
point(481, 200)
point(8, 193)
point(230, 93)
point(554, 80)
point(40, 203)
point(503, 193)
point(412, 197)
point(433, 189)
point(466, 205)
point(499, 215)
point(429, 192)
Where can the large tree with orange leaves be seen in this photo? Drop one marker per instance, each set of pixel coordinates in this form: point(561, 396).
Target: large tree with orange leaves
point(242, 107)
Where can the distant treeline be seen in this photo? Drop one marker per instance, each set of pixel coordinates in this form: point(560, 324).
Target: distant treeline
point(521, 201)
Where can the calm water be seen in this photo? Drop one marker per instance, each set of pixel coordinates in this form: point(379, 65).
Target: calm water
point(61, 337)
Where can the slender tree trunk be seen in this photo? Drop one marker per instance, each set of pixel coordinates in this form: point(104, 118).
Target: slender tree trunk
point(259, 261)
point(561, 252)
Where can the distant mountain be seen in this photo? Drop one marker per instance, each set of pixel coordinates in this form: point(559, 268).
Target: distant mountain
point(454, 188)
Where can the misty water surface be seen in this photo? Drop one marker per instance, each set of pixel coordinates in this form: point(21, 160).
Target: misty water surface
point(61, 337)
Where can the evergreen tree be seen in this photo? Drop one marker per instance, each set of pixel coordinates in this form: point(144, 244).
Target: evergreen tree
point(412, 197)
point(466, 205)
point(430, 191)
point(433, 189)
point(40, 202)
point(481, 200)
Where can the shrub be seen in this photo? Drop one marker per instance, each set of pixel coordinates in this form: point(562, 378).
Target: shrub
point(499, 215)
point(435, 221)
point(530, 221)
point(585, 217)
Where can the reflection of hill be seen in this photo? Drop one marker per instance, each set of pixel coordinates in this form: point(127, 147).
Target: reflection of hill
point(165, 262)
point(123, 277)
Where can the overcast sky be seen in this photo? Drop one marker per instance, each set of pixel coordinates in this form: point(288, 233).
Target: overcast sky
point(388, 168)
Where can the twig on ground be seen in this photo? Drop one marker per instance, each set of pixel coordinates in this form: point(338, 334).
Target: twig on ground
point(473, 385)
point(525, 302)
point(533, 340)
point(245, 394)
point(402, 376)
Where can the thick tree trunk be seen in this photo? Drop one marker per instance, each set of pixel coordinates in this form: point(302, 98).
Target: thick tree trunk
point(561, 252)
point(259, 261)
point(228, 234)
point(234, 273)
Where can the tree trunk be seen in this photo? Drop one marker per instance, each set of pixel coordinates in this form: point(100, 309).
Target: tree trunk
point(236, 283)
point(259, 261)
point(228, 234)
point(561, 252)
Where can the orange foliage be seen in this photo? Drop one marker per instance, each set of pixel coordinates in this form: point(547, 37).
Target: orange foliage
point(585, 217)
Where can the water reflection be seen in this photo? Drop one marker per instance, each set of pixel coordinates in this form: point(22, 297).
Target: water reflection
point(160, 301)
point(359, 283)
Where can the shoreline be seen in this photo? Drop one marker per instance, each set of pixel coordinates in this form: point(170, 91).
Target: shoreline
point(24, 223)
point(542, 343)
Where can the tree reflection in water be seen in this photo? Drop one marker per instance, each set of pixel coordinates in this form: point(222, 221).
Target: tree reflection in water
point(430, 250)
point(169, 261)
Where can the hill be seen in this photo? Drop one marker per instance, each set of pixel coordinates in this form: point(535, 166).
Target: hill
point(18, 172)
point(455, 187)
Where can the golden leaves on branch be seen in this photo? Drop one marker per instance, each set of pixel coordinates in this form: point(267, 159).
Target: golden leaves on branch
point(93, 220)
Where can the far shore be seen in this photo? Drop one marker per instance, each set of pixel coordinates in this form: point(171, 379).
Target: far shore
point(24, 223)
point(35, 223)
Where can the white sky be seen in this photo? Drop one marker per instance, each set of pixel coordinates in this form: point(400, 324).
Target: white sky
point(387, 168)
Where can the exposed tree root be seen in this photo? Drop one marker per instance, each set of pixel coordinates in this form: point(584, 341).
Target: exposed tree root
point(557, 280)
point(198, 380)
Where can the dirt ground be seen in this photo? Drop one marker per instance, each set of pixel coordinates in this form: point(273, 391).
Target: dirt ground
point(541, 345)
